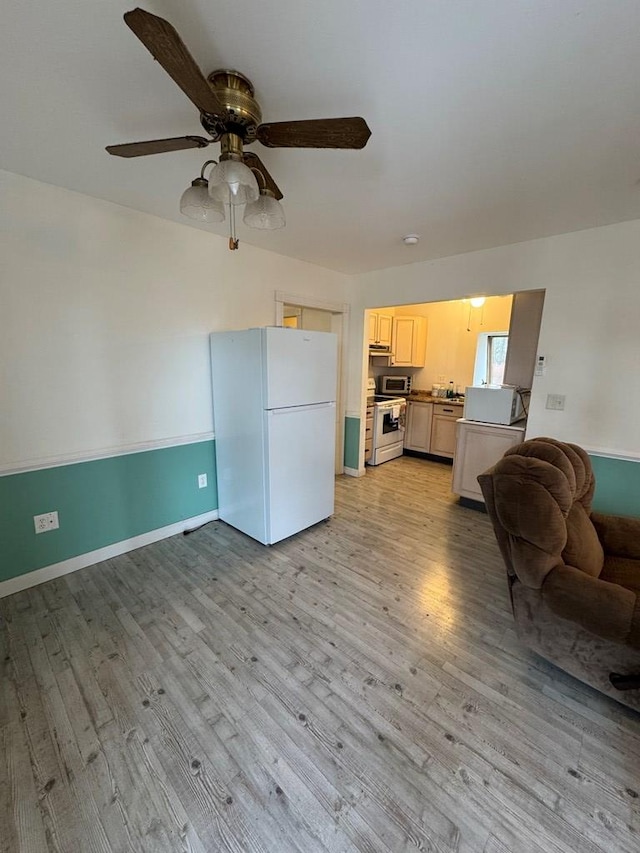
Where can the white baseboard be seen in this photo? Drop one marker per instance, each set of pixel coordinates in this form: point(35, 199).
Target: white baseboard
point(56, 570)
point(353, 472)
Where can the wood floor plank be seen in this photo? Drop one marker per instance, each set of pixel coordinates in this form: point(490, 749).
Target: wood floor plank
point(358, 687)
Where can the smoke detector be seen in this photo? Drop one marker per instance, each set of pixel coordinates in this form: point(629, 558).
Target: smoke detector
point(411, 239)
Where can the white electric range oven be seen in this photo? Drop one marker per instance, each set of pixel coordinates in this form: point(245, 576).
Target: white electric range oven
point(388, 428)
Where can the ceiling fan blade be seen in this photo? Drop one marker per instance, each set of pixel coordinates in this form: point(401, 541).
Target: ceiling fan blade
point(316, 133)
point(164, 44)
point(157, 146)
point(254, 162)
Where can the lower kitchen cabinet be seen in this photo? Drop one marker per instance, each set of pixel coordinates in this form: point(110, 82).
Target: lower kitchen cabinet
point(478, 447)
point(368, 435)
point(443, 429)
point(418, 427)
point(431, 428)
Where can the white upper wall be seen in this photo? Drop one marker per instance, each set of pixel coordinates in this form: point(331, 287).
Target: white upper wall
point(104, 318)
point(589, 329)
point(105, 312)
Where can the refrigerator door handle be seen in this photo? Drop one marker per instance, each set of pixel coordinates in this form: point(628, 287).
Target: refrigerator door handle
point(329, 405)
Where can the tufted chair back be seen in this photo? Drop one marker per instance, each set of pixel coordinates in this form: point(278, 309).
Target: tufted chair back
point(551, 525)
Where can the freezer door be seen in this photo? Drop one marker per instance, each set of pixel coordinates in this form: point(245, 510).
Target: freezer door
point(301, 450)
point(300, 367)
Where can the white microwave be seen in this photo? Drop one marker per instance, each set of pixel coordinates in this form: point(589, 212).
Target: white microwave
point(400, 385)
point(495, 404)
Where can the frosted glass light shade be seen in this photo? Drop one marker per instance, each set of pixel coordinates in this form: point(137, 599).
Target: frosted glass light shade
point(196, 203)
point(232, 182)
point(265, 213)
point(477, 301)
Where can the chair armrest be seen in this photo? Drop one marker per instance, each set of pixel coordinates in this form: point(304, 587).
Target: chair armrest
point(606, 609)
point(619, 536)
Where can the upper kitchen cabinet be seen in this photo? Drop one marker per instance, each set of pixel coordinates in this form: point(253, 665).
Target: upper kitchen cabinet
point(524, 330)
point(409, 341)
point(380, 328)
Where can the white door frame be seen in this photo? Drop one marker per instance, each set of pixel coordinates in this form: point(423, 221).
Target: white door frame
point(341, 310)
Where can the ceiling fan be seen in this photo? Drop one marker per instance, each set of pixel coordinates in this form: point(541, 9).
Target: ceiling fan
point(230, 114)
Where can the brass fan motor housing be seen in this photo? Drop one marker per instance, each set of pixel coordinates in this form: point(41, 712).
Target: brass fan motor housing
point(243, 113)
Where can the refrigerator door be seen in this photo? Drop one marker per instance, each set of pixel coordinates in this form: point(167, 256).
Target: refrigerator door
point(300, 480)
point(300, 367)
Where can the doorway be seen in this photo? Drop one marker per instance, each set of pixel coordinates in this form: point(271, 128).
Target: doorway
point(299, 312)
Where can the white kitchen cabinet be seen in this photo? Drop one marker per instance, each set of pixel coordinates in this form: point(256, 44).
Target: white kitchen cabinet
point(368, 435)
point(380, 328)
point(443, 429)
point(409, 341)
point(478, 447)
point(418, 427)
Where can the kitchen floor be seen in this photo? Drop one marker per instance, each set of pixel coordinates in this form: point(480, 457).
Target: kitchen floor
point(356, 688)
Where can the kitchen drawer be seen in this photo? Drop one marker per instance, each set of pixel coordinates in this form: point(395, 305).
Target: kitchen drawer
point(368, 449)
point(449, 409)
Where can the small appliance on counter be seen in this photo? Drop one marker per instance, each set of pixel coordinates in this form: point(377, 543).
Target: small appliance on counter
point(394, 386)
point(496, 404)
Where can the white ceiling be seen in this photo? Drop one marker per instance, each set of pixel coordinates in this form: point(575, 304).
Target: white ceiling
point(493, 121)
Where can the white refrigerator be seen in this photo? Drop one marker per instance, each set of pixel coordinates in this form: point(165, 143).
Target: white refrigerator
point(274, 414)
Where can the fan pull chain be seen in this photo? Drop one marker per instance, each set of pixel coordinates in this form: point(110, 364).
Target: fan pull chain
point(233, 239)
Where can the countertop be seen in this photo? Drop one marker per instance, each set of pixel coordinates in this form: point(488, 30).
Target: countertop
point(427, 397)
point(518, 426)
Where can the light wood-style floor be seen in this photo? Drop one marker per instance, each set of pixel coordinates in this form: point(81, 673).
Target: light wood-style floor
point(358, 687)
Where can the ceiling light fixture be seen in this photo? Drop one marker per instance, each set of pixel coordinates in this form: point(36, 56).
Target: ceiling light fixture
point(475, 302)
point(411, 239)
point(265, 212)
point(232, 183)
point(196, 203)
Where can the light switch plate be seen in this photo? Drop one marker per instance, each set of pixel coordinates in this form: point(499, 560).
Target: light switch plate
point(556, 402)
point(202, 481)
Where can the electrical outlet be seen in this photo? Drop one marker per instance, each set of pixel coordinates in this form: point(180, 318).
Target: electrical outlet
point(441, 378)
point(556, 402)
point(46, 522)
point(202, 481)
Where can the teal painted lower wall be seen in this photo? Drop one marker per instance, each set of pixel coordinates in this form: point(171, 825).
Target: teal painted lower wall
point(617, 486)
point(110, 500)
point(352, 442)
point(101, 502)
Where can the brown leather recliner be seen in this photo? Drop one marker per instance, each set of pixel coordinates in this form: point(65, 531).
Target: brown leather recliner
point(574, 575)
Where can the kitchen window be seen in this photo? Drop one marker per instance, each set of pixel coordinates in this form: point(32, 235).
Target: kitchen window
point(496, 357)
point(491, 354)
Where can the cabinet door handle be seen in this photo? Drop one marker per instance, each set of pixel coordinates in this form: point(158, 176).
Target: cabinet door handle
point(447, 410)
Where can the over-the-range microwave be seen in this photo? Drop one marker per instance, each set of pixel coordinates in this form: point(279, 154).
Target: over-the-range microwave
point(496, 404)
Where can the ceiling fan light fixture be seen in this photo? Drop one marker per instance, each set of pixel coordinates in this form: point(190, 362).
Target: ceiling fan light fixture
point(231, 182)
point(197, 204)
point(265, 212)
point(477, 301)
